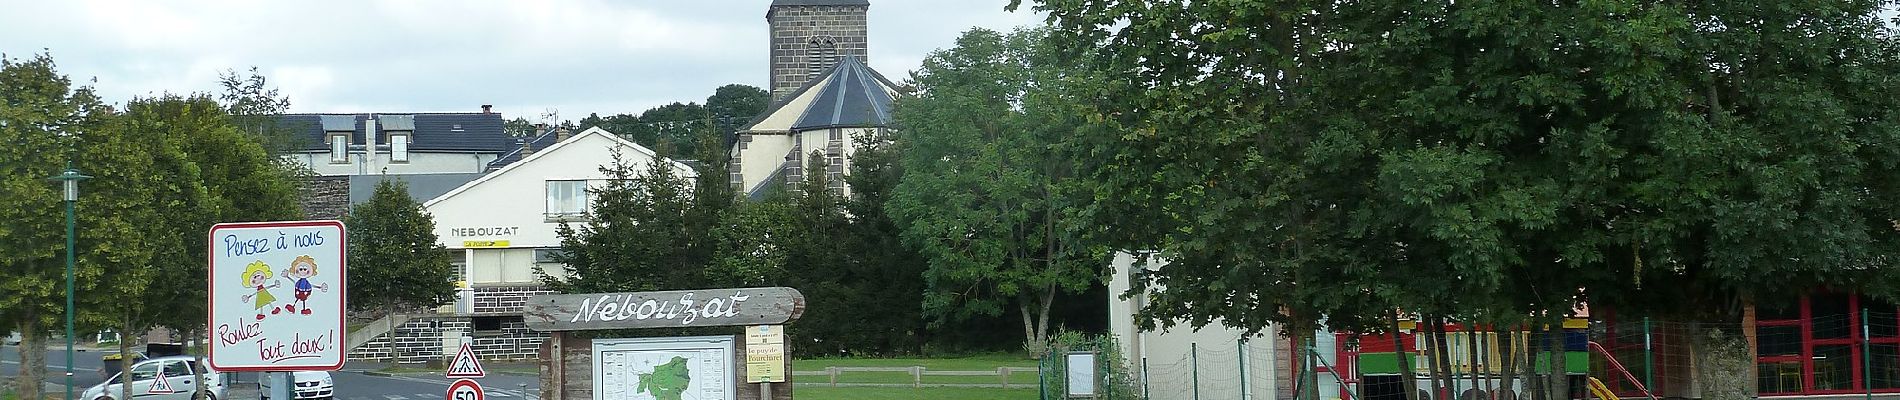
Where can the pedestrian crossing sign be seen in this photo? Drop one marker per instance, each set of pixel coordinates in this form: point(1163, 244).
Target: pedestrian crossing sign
point(465, 365)
point(161, 385)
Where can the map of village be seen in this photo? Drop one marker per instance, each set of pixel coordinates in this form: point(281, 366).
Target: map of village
point(667, 381)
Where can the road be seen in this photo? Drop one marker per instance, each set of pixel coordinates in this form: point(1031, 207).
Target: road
point(355, 382)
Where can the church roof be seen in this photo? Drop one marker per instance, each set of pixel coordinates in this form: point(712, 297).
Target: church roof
point(849, 95)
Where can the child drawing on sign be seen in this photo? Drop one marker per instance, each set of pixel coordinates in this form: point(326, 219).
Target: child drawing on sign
point(254, 277)
point(302, 269)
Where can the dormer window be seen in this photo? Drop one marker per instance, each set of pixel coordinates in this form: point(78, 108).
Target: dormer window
point(339, 149)
point(399, 147)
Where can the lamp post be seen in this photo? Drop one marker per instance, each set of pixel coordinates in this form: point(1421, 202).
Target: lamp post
point(70, 179)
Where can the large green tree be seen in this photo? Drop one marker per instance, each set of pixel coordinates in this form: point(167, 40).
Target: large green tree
point(732, 106)
point(395, 258)
point(1297, 159)
point(40, 113)
point(983, 193)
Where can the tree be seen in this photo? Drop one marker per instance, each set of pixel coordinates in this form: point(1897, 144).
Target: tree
point(732, 106)
point(254, 106)
point(982, 193)
point(1501, 159)
point(40, 112)
point(394, 254)
point(635, 237)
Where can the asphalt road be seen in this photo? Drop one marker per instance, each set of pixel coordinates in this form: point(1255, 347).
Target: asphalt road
point(356, 381)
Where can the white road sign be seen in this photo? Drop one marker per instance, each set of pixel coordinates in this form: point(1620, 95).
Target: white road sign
point(277, 296)
point(466, 389)
point(466, 365)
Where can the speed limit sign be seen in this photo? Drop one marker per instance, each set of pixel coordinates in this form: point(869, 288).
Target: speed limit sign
point(465, 389)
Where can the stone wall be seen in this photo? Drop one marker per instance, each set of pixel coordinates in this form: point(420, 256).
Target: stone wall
point(795, 28)
point(325, 197)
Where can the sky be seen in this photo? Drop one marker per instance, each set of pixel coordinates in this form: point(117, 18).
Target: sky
point(524, 57)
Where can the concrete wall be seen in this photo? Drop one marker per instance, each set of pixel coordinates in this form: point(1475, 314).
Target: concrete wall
point(1183, 362)
point(419, 163)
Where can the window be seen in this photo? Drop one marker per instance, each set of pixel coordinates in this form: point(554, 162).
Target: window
point(567, 198)
point(1779, 377)
point(176, 369)
point(1886, 366)
point(145, 372)
point(1833, 367)
point(546, 254)
point(339, 149)
point(399, 148)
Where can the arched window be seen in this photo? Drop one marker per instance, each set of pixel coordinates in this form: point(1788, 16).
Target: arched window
point(821, 52)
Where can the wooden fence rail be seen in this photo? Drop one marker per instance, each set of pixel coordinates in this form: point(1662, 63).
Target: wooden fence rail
point(917, 374)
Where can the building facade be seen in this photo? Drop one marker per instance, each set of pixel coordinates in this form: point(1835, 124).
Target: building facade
point(809, 36)
point(825, 115)
point(397, 144)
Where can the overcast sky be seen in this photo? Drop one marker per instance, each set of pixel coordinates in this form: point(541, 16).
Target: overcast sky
point(524, 57)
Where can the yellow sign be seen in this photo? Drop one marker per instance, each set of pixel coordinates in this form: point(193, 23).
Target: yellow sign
point(477, 244)
point(764, 353)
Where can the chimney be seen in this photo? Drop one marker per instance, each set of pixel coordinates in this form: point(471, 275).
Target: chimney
point(488, 108)
point(527, 146)
point(561, 134)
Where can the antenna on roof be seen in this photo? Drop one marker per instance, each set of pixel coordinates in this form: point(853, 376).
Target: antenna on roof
point(551, 117)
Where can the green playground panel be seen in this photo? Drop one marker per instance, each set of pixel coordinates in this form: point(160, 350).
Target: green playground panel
point(1576, 362)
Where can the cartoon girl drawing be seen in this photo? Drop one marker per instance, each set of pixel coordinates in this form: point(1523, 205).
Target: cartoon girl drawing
point(302, 269)
point(255, 275)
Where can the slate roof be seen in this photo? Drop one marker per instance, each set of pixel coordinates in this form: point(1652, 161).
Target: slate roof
point(847, 95)
point(434, 132)
point(422, 187)
point(542, 142)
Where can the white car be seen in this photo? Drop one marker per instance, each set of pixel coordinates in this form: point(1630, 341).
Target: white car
point(163, 378)
point(310, 385)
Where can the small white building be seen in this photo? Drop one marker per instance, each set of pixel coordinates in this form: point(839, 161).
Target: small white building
point(1213, 362)
point(502, 227)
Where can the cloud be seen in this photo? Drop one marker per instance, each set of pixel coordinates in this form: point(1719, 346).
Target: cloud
point(580, 56)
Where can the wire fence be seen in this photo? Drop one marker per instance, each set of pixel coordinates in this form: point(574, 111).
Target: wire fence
point(1823, 346)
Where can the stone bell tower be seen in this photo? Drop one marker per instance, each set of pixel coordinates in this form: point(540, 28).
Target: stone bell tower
point(809, 36)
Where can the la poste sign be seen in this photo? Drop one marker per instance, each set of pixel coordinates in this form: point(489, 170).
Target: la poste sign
point(277, 296)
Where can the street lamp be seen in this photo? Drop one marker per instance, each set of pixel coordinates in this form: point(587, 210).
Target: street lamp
point(70, 179)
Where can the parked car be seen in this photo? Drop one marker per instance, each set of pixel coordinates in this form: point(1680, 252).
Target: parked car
point(163, 378)
point(310, 385)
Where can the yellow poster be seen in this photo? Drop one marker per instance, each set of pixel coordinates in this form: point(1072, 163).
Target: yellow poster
point(764, 353)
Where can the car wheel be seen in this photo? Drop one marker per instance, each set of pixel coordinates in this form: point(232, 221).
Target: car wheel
point(209, 396)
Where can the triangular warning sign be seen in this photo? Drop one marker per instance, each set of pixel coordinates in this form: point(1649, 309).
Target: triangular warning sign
point(161, 385)
point(465, 364)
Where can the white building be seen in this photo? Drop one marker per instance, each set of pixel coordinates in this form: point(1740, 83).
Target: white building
point(503, 228)
point(1213, 362)
point(825, 115)
point(398, 144)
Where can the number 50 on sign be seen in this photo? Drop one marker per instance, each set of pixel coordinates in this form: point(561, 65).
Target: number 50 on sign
point(465, 389)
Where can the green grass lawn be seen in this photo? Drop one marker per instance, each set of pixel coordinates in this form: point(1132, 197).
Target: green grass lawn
point(871, 393)
point(982, 362)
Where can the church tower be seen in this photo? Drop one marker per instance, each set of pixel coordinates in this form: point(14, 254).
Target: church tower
point(809, 36)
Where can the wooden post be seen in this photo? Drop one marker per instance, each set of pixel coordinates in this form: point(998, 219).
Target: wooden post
point(833, 373)
point(559, 370)
point(1004, 371)
point(917, 376)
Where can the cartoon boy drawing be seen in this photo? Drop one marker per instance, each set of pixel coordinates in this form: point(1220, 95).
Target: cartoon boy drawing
point(255, 275)
point(302, 269)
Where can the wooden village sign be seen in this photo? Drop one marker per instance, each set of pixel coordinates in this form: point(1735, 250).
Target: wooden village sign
point(576, 367)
